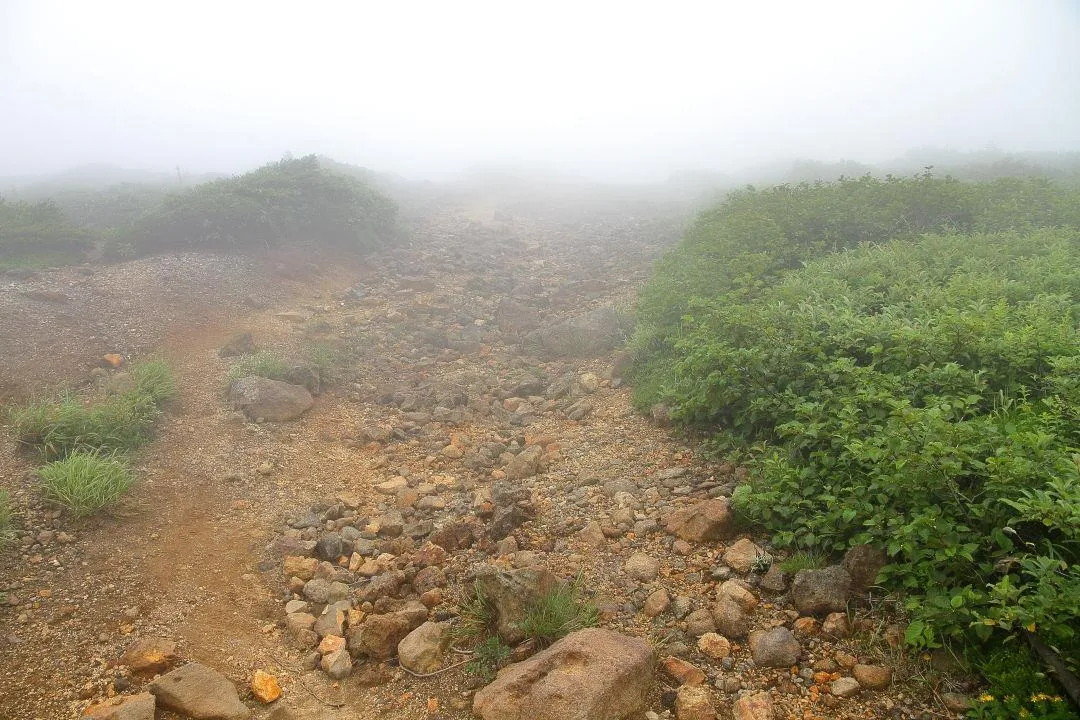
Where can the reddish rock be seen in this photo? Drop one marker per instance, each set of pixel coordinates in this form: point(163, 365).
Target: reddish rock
point(754, 707)
point(127, 707)
point(707, 520)
point(686, 673)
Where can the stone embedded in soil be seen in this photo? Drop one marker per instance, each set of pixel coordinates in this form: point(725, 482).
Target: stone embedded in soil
point(694, 703)
point(125, 707)
point(844, 687)
point(592, 674)
point(872, 677)
point(149, 656)
point(264, 687)
point(299, 566)
point(525, 464)
point(642, 567)
point(270, 400)
point(774, 580)
point(337, 664)
point(592, 535)
point(511, 593)
point(730, 619)
point(774, 648)
point(200, 693)
point(656, 603)
point(754, 707)
point(423, 649)
point(743, 555)
point(686, 673)
point(820, 592)
point(956, 702)
point(715, 646)
point(706, 520)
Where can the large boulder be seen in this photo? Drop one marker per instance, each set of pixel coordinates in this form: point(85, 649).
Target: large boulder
point(270, 400)
point(820, 592)
point(592, 674)
point(199, 692)
point(707, 520)
point(511, 593)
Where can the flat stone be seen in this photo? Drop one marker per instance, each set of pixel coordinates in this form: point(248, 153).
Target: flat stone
point(754, 707)
point(845, 687)
point(149, 656)
point(200, 693)
point(872, 677)
point(337, 664)
point(125, 707)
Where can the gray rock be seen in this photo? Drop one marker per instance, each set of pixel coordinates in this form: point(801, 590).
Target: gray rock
point(731, 621)
point(525, 464)
point(845, 687)
point(510, 594)
point(200, 693)
point(332, 620)
point(819, 592)
point(329, 547)
point(592, 674)
point(337, 664)
point(270, 400)
point(586, 335)
point(423, 649)
point(774, 648)
point(700, 622)
point(863, 563)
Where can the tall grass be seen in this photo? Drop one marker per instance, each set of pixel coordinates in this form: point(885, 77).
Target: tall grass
point(85, 481)
point(261, 364)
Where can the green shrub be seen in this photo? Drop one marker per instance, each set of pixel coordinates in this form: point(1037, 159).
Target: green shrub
point(488, 657)
point(260, 364)
point(39, 234)
point(279, 204)
point(7, 530)
point(85, 481)
point(1018, 688)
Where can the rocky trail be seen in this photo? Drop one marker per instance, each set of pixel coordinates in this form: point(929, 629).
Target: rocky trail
point(475, 429)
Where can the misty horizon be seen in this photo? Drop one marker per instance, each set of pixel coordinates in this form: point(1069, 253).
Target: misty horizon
point(603, 92)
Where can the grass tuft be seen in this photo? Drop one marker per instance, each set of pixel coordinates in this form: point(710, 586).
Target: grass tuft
point(476, 618)
point(58, 428)
point(154, 379)
point(802, 560)
point(559, 613)
point(261, 364)
point(85, 481)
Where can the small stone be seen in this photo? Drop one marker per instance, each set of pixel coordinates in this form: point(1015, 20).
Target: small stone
point(806, 627)
point(149, 656)
point(956, 702)
point(715, 646)
point(642, 567)
point(739, 593)
point(819, 592)
point(700, 622)
point(731, 620)
point(872, 677)
point(422, 650)
point(686, 673)
point(774, 580)
point(774, 648)
point(836, 625)
point(592, 535)
point(694, 703)
point(845, 660)
point(707, 520)
point(264, 687)
point(845, 687)
point(330, 643)
point(297, 606)
point(656, 603)
point(744, 555)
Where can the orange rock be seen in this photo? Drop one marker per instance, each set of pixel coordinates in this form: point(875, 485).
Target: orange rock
point(683, 671)
point(149, 656)
point(112, 360)
point(432, 705)
point(265, 687)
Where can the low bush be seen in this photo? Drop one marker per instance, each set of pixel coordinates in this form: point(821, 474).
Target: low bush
point(39, 234)
point(85, 481)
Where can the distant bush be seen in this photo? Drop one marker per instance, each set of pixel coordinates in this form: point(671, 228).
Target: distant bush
point(39, 234)
point(294, 201)
point(85, 481)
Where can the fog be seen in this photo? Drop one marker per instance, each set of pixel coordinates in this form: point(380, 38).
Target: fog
point(608, 90)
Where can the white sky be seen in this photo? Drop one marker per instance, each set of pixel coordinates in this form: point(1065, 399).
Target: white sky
point(619, 89)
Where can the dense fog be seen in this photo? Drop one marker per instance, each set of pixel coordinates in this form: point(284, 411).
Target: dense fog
point(606, 90)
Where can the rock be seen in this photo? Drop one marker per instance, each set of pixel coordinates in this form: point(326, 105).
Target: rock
point(844, 687)
point(510, 594)
point(378, 636)
point(589, 382)
point(738, 593)
point(149, 656)
point(744, 555)
point(642, 567)
point(686, 673)
point(731, 620)
point(239, 344)
point(331, 643)
point(774, 580)
point(715, 646)
point(127, 707)
point(329, 547)
point(271, 400)
point(264, 687)
point(872, 677)
point(707, 520)
point(297, 606)
point(956, 702)
point(592, 674)
point(299, 566)
point(694, 703)
point(200, 693)
point(384, 585)
point(332, 620)
point(863, 563)
point(592, 535)
point(806, 627)
point(656, 603)
point(819, 592)
point(699, 622)
point(392, 486)
point(320, 590)
point(422, 650)
point(525, 464)
point(774, 648)
point(836, 625)
point(754, 707)
point(337, 664)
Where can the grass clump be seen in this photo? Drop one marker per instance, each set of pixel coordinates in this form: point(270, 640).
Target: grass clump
point(59, 427)
point(558, 613)
point(261, 364)
point(802, 560)
point(85, 481)
point(7, 530)
point(154, 380)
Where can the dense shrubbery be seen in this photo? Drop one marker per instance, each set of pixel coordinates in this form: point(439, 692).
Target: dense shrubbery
point(39, 233)
point(921, 393)
point(291, 201)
